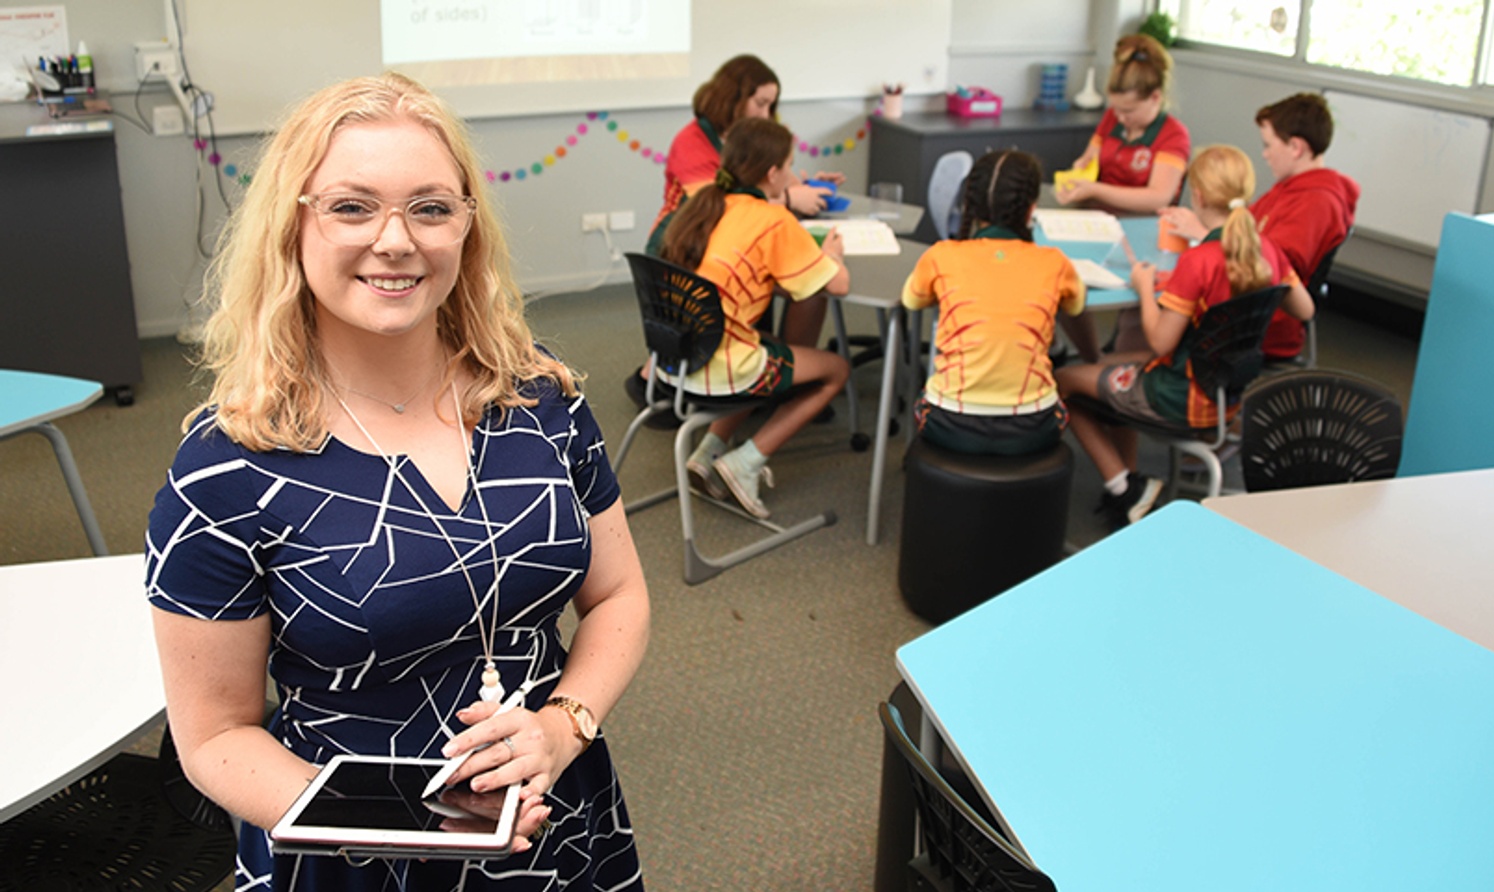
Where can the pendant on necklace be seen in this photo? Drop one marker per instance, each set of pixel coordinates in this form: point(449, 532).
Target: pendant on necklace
point(492, 685)
point(399, 408)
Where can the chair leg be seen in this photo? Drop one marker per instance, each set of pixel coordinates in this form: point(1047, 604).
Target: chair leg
point(700, 567)
point(74, 486)
point(1204, 453)
point(859, 441)
point(633, 427)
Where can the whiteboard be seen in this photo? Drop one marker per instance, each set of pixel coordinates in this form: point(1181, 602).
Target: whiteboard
point(1413, 164)
point(258, 58)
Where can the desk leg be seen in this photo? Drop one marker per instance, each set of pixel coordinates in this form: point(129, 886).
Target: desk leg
point(890, 362)
point(74, 486)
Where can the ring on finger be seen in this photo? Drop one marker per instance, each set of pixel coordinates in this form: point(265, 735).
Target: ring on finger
point(512, 752)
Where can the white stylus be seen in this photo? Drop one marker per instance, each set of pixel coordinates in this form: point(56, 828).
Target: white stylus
point(442, 775)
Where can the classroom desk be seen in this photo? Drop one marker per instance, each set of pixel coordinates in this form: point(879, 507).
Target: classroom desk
point(1187, 705)
point(1141, 233)
point(901, 218)
point(1419, 541)
point(82, 678)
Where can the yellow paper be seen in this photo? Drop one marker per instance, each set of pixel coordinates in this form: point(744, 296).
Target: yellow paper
point(1090, 172)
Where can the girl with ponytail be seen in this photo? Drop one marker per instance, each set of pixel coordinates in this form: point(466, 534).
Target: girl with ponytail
point(737, 233)
point(992, 390)
point(1158, 386)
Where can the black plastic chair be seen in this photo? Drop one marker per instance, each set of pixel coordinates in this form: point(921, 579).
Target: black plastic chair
point(683, 324)
point(1224, 350)
point(962, 851)
point(1309, 428)
point(1317, 289)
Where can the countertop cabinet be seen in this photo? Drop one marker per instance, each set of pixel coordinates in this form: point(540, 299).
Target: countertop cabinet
point(68, 307)
point(905, 151)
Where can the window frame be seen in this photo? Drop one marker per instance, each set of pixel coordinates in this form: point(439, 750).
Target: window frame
point(1477, 98)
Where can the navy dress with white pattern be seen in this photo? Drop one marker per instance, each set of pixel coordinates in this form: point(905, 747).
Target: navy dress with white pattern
point(375, 642)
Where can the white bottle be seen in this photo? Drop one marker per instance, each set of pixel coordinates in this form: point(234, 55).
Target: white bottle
point(1089, 97)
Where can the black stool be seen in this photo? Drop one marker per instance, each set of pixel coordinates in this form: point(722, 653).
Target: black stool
point(976, 525)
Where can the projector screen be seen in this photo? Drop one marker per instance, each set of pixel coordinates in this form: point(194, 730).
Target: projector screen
point(257, 58)
point(524, 41)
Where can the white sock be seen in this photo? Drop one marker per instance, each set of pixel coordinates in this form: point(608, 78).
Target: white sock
point(712, 445)
point(1116, 485)
point(750, 456)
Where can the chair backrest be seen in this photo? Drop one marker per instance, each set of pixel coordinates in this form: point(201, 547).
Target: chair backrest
point(964, 850)
point(1224, 348)
point(945, 184)
point(1317, 285)
point(682, 317)
point(1314, 427)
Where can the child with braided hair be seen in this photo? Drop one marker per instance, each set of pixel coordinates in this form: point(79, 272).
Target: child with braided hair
point(737, 233)
point(1158, 386)
point(992, 390)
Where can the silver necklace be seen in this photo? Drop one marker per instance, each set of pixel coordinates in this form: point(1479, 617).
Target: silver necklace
point(492, 683)
point(399, 407)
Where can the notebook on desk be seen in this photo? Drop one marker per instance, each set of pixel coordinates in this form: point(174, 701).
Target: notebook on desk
point(861, 237)
point(1079, 225)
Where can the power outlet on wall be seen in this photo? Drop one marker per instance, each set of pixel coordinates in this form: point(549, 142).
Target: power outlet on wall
point(593, 222)
point(166, 120)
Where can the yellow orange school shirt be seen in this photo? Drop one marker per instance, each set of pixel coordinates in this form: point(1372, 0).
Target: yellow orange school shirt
point(755, 246)
point(997, 301)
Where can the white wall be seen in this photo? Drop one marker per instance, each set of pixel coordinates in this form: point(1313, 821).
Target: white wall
point(997, 43)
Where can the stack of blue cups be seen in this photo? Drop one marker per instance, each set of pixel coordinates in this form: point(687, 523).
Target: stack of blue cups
point(1053, 87)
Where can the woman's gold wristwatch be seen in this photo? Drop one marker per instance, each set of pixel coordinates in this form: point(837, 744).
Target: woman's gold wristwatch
point(582, 721)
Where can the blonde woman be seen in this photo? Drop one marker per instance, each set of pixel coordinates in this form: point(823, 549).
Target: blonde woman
point(387, 501)
point(1157, 385)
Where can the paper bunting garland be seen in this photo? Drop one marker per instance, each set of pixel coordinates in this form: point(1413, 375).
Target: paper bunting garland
point(594, 120)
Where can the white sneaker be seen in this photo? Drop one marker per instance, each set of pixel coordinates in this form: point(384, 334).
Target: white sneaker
point(743, 482)
point(703, 476)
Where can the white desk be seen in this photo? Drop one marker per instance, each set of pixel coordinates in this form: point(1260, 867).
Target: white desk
point(1422, 542)
point(82, 680)
point(1189, 706)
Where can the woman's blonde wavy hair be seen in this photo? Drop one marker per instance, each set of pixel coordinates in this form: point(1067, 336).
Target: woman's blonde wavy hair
point(260, 343)
point(1220, 175)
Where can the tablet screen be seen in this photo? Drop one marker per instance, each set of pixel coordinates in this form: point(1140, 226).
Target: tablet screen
point(372, 805)
point(386, 796)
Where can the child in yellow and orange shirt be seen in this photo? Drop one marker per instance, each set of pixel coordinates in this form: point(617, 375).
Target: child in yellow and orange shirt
point(993, 389)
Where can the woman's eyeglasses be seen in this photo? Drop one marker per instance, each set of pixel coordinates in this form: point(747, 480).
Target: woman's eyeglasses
point(356, 221)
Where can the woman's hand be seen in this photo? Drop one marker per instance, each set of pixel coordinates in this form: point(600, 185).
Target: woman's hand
point(806, 200)
point(531, 748)
point(825, 176)
point(532, 815)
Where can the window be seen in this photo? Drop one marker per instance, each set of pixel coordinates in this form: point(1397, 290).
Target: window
point(1437, 41)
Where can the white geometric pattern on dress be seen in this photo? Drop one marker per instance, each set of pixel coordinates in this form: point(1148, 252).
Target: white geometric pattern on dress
point(375, 643)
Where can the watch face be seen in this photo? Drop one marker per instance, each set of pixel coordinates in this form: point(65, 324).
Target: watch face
point(585, 722)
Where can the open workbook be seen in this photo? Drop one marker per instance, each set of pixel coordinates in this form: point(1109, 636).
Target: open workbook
point(861, 237)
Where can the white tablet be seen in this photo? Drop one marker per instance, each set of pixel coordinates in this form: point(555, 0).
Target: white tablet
point(371, 807)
